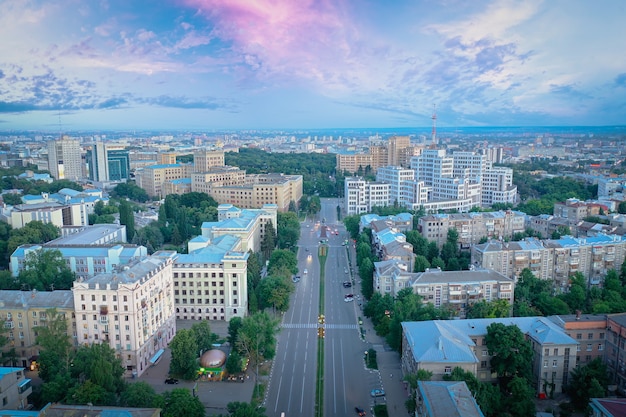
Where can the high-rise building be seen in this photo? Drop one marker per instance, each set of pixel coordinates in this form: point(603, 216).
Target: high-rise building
point(205, 159)
point(107, 162)
point(64, 159)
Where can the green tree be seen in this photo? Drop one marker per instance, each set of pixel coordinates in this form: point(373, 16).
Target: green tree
point(89, 393)
point(233, 363)
point(180, 402)
point(139, 395)
point(184, 355)
point(203, 336)
point(511, 354)
point(130, 190)
point(587, 382)
point(352, 225)
point(288, 230)
point(241, 409)
point(234, 325)
point(366, 272)
point(268, 244)
point(489, 309)
point(274, 291)
point(520, 402)
point(98, 365)
point(421, 264)
point(282, 263)
point(127, 218)
point(257, 338)
point(621, 208)
point(45, 270)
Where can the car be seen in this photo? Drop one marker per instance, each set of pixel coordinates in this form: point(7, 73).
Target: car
point(347, 284)
point(306, 249)
point(348, 298)
point(305, 271)
point(345, 270)
point(377, 393)
point(296, 278)
point(171, 381)
point(359, 411)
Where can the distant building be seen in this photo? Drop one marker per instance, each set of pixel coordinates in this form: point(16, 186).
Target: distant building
point(153, 177)
point(260, 189)
point(360, 195)
point(107, 162)
point(589, 330)
point(64, 159)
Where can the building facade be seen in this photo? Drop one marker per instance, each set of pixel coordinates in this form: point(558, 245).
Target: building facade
point(64, 159)
point(131, 310)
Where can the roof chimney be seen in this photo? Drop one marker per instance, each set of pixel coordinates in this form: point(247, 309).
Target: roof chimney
point(578, 313)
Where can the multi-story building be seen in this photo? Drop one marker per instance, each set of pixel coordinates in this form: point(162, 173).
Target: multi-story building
point(107, 162)
point(246, 224)
point(396, 176)
point(203, 182)
point(402, 222)
point(179, 186)
point(351, 162)
point(445, 399)
point(64, 159)
point(82, 259)
point(553, 259)
point(615, 350)
point(22, 311)
point(589, 330)
point(151, 178)
point(360, 195)
point(210, 282)
point(14, 389)
point(441, 345)
point(388, 243)
point(261, 189)
point(455, 289)
point(131, 310)
point(497, 186)
point(205, 159)
point(471, 227)
point(575, 210)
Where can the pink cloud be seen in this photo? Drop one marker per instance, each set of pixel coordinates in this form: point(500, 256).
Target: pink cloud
point(303, 38)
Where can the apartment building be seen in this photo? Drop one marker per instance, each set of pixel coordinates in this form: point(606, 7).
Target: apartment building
point(402, 222)
point(615, 351)
point(22, 311)
point(153, 177)
point(445, 399)
point(64, 159)
point(575, 210)
point(217, 176)
point(179, 186)
point(261, 189)
point(497, 186)
point(455, 289)
point(210, 282)
point(14, 389)
point(246, 224)
point(545, 225)
point(471, 227)
point(131, 310)
point(589, 330)
point(555, 260)
point(351, 162)
point(441, 345)
point(396, 151)
point(205, 159)
point(360, 195)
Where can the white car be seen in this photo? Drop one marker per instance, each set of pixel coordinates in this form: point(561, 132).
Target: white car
point(306, 271)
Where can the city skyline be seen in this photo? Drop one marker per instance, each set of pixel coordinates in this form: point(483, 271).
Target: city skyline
point(241, 64)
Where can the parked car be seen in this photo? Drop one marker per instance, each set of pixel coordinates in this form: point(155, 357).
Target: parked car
point(348, 297)
point(171, 381)
point(377, 393)
point(359, 411)
point(347, 284)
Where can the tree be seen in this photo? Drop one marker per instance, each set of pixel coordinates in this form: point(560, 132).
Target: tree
point(100, 375)
point(621, 209)
point(587, 382)
point(180, 402)
point(46, 270)
point(234, 325)
point(366, 272)
point(352, 225)
point(421, 264)
point(511, 354)
point(203, 336)
point(127, 218)
point(139, 395)
point(288, 230)
point(233, 363)
point(269, 240)
point(520, 402)
point(240, 409)
point(130, 190)
point(282, 263)
point(274, 291)
point(489, 309)
point(184, 354)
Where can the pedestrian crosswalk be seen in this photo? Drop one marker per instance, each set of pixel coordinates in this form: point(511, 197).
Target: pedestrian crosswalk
point(314, 326)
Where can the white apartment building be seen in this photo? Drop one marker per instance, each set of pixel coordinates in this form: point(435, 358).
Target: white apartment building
point(497, 186)
point(211, 281)
point(64, 159)
point(360, 195)
point(132, 310)
point(396, 177)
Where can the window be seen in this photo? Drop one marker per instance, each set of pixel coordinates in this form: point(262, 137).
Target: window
point(589, 347)
point(600, 346)
point(554, 363)
point(485, 352)
point(447, 370)
point(556, 351)
point(483, 364)
point(579, 336)
point(546, 352)
point(545, 363)
point(590, 336)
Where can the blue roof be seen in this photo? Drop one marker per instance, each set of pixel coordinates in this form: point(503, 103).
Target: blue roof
point(181, 181)
point(8, 370)
point(213, 253)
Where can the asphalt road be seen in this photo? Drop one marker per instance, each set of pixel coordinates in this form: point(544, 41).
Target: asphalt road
point(347, 383)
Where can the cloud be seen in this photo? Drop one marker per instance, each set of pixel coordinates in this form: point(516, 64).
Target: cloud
point(186, 102)
point(620, 80)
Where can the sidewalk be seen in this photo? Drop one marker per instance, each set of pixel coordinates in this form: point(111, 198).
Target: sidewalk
point(389, 365)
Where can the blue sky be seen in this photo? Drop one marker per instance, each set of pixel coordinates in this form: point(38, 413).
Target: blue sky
point(272, 64)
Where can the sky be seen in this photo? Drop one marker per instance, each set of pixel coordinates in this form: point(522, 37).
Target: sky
point(310, 64)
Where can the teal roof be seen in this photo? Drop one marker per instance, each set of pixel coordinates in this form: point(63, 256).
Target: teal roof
point(220, 248)
point(160, 166)
point(8, 370)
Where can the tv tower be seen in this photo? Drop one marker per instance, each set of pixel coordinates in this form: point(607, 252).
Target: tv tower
point(434, 132)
